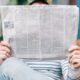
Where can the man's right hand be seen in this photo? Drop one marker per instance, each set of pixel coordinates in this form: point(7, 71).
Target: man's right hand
point(5, 51)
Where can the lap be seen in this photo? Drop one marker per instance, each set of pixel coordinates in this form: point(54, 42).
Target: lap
point(40, 70)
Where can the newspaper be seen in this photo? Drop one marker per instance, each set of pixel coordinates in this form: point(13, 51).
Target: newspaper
point(0, 25)
point(40, 32)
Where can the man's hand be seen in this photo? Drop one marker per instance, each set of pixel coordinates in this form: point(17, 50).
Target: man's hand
point(5, 51)
point(74, 56)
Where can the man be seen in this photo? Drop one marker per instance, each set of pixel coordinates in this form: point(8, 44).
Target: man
point(15, 69)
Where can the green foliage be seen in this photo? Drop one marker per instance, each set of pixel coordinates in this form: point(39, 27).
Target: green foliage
point(1, 38)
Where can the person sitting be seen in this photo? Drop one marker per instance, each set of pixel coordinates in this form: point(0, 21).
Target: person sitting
point(16, 69)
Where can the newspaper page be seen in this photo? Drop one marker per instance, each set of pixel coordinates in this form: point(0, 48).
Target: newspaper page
point(0, 25)
point(40, 32)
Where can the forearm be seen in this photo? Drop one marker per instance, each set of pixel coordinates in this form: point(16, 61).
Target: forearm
point(74, 63)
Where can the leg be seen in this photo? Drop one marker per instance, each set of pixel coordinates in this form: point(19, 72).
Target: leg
point(14, 69)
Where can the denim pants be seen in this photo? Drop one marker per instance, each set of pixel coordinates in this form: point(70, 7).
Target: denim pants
point(15, 69)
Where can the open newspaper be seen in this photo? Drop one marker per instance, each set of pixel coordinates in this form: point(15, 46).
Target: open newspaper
point(40, 32)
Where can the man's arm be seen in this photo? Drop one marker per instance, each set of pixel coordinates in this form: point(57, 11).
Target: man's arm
point(74, 63)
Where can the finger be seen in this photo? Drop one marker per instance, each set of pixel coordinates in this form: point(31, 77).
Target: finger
point(7, 50)
point(75, 61)
point(76, 52)
point(74, 58)
point(72, 48)
point(76, 64)
point(4, 53)
point(5, 43)
point(3, 57)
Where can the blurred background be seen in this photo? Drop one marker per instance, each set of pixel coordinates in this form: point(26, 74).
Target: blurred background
point(21, 2)
point(56, 2)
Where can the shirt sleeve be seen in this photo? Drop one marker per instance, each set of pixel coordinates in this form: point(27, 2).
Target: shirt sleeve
point(69, 72)
point(73, 73)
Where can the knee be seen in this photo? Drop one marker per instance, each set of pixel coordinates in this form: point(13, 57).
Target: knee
point(10, 65)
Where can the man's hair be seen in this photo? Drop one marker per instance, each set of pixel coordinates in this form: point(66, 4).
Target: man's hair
point(39, 1)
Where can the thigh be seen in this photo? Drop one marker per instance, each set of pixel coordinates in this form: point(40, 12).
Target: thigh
point(14, 69)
